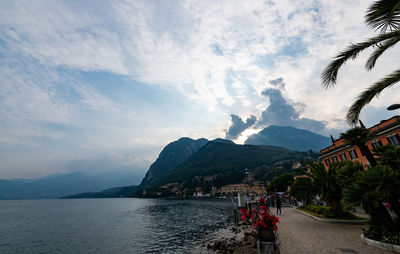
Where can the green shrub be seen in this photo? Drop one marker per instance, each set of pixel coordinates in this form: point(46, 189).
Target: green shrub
point(380, 234)
point(392, 239)
point(328, 212)
point(373, 232)
point(322, 210)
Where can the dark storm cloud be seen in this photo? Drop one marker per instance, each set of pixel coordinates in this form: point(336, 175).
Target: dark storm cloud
point(280, 112)
point(238, 126)
point(277, 82)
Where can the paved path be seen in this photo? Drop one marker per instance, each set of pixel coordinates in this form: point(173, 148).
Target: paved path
point(300, 234)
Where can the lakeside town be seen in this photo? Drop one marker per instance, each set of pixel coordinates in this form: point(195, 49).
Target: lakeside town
point(249, 185)
point(347, 159)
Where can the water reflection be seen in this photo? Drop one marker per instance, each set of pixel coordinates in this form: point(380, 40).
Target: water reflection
point(109, 225)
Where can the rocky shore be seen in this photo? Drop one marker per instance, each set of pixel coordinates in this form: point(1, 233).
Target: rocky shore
point(230, 240)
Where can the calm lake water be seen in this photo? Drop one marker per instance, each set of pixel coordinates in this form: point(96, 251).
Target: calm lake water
point(109, 225)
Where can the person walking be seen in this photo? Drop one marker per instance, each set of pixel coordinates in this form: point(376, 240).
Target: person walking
point(278, 203)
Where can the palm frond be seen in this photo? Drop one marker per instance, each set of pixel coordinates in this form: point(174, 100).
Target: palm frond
point(379, 51)
point(364, 98)
point(356, 135)
point(329, 75)
point(384, 15)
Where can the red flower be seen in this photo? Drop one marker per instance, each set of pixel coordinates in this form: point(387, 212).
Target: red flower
point(260, 218)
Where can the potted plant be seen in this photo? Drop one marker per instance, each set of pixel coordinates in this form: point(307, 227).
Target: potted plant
point(262, 220)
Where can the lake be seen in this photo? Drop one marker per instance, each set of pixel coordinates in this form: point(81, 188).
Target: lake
point(126, 225)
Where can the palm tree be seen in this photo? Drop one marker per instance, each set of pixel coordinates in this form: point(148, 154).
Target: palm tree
point(326, 184)
point(370, 189)
point(383, 15)
point(347, 172)
point(358, 136)
point(389, 155)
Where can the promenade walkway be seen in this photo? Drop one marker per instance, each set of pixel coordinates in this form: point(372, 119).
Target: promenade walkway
point(301, 234)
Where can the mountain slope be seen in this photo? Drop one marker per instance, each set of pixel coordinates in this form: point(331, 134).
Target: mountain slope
point(216, 157)
point(172, 155)
point(289, 137)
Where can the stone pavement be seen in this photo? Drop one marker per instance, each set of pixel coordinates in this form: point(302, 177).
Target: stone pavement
point(301, 234)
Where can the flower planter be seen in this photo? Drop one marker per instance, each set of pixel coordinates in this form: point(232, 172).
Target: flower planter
point(266, 235)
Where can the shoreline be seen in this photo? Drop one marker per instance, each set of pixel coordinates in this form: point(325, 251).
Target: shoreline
point(232, 239)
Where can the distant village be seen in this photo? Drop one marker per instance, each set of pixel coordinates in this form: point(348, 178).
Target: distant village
point(249, 186)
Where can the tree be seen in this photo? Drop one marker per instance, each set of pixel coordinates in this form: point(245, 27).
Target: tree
point(383, 15)
point(347, 172)
point(370, 189)
point(389, 155)
point(303, 189)
point(326, 184)
point(281, 183)
point(358, 136)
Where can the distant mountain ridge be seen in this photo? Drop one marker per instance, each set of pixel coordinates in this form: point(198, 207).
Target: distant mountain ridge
point(289, 137)
point(58, 185)
point(116, 192)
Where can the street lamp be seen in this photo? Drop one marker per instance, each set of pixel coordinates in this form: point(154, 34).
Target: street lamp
point(393, 107)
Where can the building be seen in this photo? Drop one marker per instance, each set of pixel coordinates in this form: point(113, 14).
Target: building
point(235, 188)
point(386, 132)
point(241, 188)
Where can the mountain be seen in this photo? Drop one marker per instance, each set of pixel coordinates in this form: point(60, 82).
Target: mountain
point(289, 137)
point(226, 141)
point(221, 157)
point(172, 155)
point(185, 161)
point(116, 192)
point(55, 186)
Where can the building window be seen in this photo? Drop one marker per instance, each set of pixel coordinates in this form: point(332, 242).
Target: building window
point(327, 162)
point(376, 143)
point(334, 159)
point(342, 156)
point(353, 154)
point(394, 139)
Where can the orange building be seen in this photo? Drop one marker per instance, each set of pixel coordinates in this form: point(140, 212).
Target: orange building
point(386, 132)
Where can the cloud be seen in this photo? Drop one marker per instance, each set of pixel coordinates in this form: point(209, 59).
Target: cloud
point(278, 112)
point(188, 46)
point(278, 83)
point(281, 112)
point(194, 47)
point(34, 96)
point(238, 126)
point(217, 55)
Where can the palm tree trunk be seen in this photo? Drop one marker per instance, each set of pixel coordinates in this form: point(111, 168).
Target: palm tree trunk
point(367, 153)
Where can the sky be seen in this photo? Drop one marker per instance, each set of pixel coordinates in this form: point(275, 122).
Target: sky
point(96, 86)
